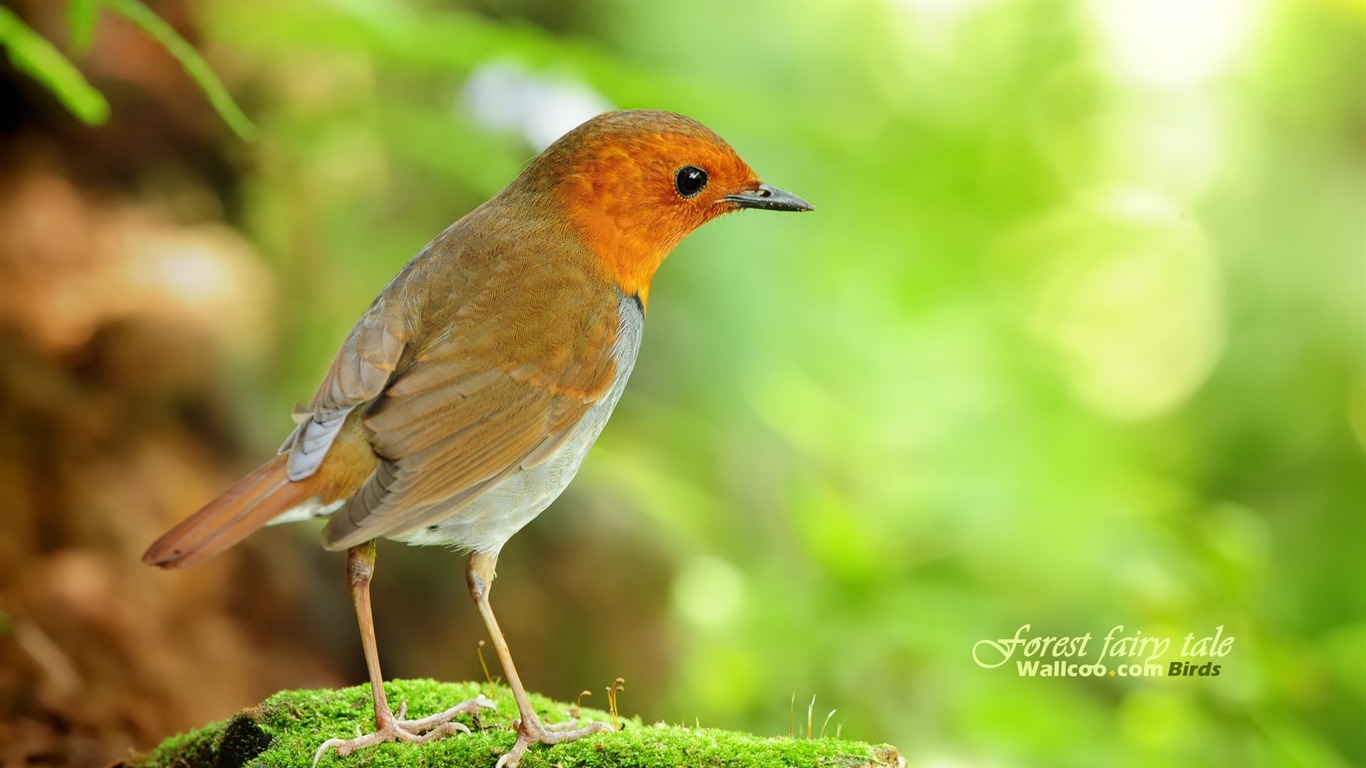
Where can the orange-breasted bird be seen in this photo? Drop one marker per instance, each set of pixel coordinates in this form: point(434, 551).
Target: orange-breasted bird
point(465, 398)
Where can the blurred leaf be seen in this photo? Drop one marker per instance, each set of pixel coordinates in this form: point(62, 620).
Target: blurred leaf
point(189, 58)
point(869, 423)
point(33, 55)
point(80, 17)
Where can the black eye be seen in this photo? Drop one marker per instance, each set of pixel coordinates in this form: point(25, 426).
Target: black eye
point(690, 180)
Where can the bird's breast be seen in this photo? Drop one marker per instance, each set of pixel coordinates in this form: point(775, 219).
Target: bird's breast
point(486, 523)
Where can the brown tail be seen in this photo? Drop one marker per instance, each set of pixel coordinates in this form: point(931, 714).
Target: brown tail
point(240, 511)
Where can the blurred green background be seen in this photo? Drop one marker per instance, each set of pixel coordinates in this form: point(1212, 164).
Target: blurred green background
point(1074, 339)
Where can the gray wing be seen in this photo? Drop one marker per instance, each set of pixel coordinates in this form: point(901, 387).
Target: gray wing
point(359, 374)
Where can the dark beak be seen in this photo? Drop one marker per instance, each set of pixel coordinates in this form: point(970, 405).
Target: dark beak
point(769, 199)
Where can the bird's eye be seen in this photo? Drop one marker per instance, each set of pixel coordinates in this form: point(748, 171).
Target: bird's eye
point(690, 180)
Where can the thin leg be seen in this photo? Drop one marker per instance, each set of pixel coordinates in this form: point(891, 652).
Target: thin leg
point(530, 730)
point(360, 569)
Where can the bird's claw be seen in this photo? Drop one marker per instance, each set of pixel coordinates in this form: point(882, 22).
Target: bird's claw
point(532, 731)
point(413, 731)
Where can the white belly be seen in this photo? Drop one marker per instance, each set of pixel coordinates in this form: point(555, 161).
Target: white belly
point(485, 523)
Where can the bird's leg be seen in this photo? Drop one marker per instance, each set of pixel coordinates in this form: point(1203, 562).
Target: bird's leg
point(530, 730)
point(360, 569)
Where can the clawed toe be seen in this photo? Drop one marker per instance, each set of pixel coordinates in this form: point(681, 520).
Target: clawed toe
point(443, 719)
point(532, 731)
point(415, 731)
point(573, 726)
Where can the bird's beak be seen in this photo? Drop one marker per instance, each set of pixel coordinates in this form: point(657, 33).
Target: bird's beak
point(769, 199)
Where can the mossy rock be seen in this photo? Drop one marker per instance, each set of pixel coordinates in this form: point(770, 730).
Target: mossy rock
point(285, 730)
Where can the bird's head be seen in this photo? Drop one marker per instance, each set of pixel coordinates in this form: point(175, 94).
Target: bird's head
point(633, 184)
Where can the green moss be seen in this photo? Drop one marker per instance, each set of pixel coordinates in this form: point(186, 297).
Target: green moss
point(286, 729)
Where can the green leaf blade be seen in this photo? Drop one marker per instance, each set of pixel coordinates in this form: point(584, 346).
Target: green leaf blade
point(80, 17)
point(39, 59)
point(194, 64)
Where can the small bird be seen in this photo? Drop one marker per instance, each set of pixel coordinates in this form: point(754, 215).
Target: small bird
point(465, 398)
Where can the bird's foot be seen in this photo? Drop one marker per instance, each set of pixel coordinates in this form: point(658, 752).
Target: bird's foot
point(395, 728)
point(532, 731)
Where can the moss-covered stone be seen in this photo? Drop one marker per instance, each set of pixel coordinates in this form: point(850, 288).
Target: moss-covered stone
point(286, 729)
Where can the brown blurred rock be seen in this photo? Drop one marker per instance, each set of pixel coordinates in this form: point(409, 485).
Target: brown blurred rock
point(113, 423)
point(127, 300)
point(119, 312)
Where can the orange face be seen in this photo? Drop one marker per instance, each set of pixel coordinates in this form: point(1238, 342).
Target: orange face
point(633, 184)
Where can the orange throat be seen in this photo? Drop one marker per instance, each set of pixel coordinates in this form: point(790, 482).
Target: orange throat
point(627, 247)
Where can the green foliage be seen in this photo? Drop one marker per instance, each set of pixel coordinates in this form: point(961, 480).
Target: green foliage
point(286, 729)
point(195, 66)
point(1073, 340)
point(38, 58)
point(81, 17)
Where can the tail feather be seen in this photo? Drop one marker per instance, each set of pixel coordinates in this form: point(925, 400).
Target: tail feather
point(241, 510)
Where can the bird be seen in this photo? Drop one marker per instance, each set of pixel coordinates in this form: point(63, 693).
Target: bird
point(465, 398)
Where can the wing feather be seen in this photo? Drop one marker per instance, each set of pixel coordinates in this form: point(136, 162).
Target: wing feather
point(470, 406)
point(359, 373)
